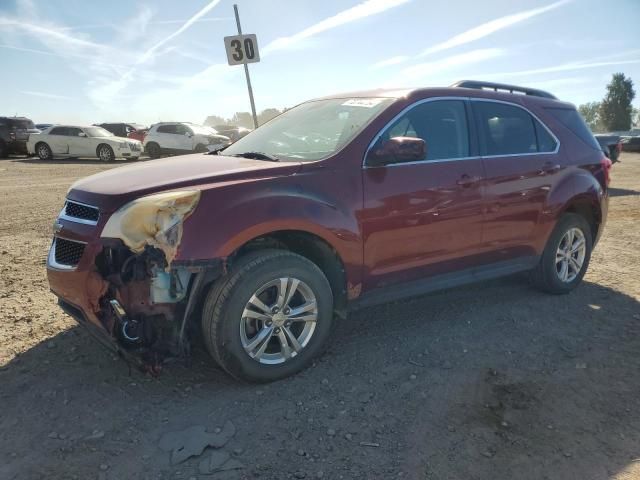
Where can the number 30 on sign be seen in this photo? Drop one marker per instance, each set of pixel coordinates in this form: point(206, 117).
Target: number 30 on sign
point(241, 49)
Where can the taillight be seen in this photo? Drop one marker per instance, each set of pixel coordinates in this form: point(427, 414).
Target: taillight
point(606, 168)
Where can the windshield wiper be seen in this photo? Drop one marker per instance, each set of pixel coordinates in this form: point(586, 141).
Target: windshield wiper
point(257, 156)
point(216, 151)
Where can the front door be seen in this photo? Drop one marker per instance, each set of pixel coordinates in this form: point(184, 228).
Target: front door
point(424, 218)
point(78, 146)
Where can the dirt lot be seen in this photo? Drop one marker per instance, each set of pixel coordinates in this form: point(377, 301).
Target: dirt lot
point(491, 381)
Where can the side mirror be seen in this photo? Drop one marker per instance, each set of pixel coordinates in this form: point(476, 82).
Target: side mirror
point(397, 150)
point(82, 134)
point(188, 134)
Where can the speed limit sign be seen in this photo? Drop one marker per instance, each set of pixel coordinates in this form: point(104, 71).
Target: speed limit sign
point(241, 49)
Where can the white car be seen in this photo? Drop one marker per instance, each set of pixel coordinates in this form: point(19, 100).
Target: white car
point(73, 141)
point(182, 137)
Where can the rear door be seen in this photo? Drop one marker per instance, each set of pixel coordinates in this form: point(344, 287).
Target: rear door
point(57, 140)
point(424, 218)
point(521, 163)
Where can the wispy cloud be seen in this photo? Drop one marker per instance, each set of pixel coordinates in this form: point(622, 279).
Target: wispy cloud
point(491, 27)
point(476, 33)
point(391, 61)
point(567, 67)
point(185, 26)
point(422, 70)
point(44, 95)
point(360, 11)
point(98, 26)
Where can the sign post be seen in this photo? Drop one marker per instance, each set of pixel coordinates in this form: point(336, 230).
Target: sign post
point(243, 49)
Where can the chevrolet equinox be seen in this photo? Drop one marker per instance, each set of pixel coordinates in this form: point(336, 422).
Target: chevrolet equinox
point(338, 203)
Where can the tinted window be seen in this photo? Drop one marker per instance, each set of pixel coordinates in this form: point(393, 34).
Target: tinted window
point(571, 119)
point(441, 124)
point(21, 124)
point(72, 132)
point(546, 143)
point(58, 131)
point(182, 129)
point(167, 129)
point(504, 130)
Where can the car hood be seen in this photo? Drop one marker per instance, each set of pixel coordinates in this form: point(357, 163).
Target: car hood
point(109, 190)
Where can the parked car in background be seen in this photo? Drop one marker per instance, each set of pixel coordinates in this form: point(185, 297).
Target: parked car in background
point(338, 203)
point(129, 130)
point(75, 141)
point(631, 143)
point(611, 145)
point(234, 132)
point(181, 137)
point(14, 133)
point(43, 126)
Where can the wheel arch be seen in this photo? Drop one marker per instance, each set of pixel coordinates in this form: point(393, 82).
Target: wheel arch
point(306, 244)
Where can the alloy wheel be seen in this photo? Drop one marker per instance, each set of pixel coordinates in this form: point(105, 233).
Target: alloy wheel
point(278, 321)
point(570, 255)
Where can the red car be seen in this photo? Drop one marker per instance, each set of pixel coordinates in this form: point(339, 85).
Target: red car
point(340, 202)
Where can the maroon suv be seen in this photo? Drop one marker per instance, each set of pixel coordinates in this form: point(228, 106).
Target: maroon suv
point(340, 202)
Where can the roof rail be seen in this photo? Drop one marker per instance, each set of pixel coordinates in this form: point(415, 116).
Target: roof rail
point(504, 87)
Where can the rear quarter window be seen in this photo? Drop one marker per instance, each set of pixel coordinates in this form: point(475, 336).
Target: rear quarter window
point(571, 119)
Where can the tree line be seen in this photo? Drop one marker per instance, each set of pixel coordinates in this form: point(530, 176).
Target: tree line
point(243, 119)
point(614, 113)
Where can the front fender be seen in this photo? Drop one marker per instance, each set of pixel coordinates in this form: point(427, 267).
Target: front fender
point(229, 216)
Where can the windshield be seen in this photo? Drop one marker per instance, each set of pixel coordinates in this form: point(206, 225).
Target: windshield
point(97, 132)
point(312, 130)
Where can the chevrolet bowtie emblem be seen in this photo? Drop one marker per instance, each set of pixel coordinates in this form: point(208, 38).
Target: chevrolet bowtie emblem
point(57, 227)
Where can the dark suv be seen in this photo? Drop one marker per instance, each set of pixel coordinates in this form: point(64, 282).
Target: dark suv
point(14, 133)
point(338, 203)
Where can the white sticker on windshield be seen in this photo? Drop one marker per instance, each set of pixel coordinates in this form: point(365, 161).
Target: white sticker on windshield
point(363, 102)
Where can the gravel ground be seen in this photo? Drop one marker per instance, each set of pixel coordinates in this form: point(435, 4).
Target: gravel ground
point(491, 381)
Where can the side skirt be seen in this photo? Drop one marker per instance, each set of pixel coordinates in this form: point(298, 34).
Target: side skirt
point(444, 281)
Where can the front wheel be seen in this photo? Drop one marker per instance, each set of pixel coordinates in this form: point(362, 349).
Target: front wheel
point(269, 317)
point(566, 256)
point(44, 151)
point(105, 153)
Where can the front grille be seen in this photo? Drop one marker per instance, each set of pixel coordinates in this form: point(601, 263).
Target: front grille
point(68, 252)
point(83, 212)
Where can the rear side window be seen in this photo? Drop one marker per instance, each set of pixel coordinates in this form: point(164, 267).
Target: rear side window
point(21, 124)
point(505, 129)
point(58, 131)
point(571, 119)
point(546, 143)
point(442, 124)
point(167, 129)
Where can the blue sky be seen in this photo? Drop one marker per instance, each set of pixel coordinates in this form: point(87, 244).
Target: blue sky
point(81, 61)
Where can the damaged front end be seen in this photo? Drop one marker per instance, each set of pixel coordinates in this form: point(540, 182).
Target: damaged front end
point(132, 287)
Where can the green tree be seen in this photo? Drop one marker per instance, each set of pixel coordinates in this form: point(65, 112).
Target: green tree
point(590, 111)
point(267, 114)
point(615, 109)
point(242, 119)
point(214, 120)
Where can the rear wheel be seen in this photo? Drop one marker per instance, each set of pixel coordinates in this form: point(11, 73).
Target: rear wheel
point(44, 151)
point(566, 256)
point(153, 149)
point(269, 317)
point(105, 153)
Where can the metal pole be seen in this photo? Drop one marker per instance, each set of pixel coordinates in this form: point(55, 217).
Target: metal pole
point(246, 73)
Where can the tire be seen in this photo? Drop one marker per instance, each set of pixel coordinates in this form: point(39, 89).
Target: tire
point(227, 331)
point(105, 153)
point(44, 151)
point(153, 149)
point(200, 148)
point(547, 276)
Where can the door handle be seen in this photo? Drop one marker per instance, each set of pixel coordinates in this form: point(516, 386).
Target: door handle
point(466, 180)
point(549, 167)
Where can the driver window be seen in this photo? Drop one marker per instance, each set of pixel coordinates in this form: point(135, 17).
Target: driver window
point(182, 130)
point(442, 124)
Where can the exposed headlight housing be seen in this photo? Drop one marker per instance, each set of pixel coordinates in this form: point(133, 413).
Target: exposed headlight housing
point(155, 220)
